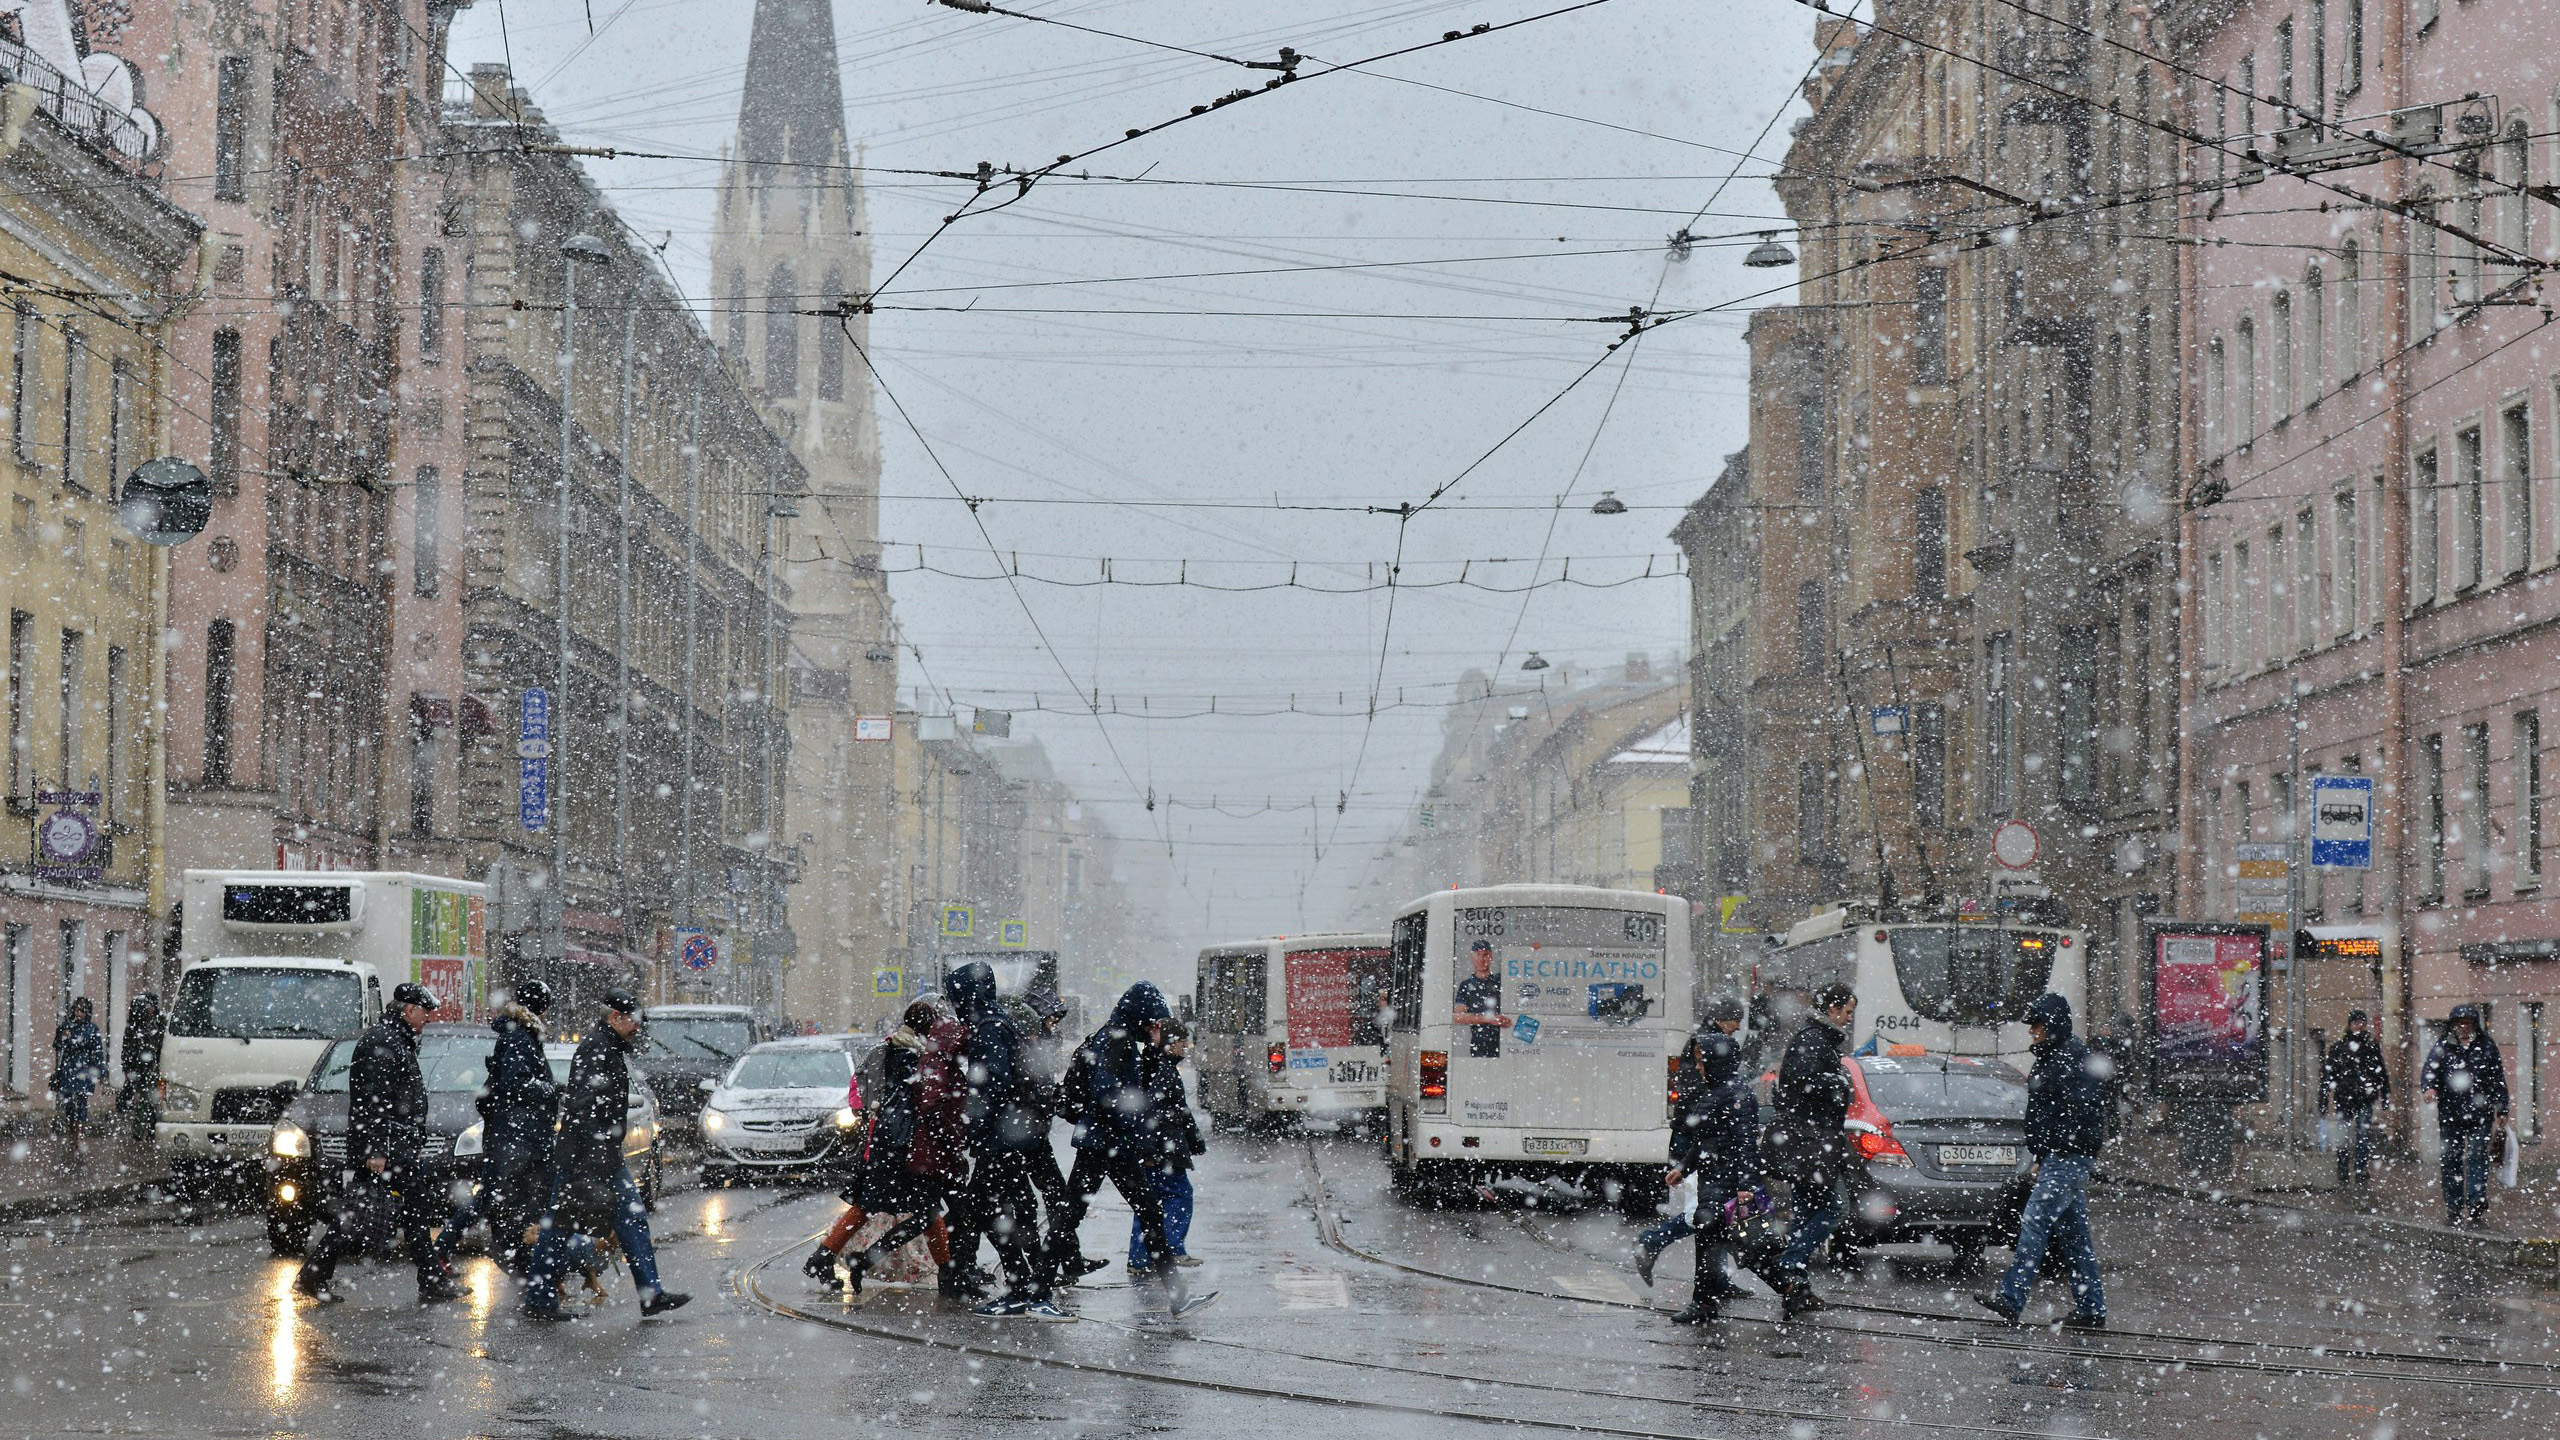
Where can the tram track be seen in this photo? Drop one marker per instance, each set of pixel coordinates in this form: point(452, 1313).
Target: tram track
point(2469, 1369)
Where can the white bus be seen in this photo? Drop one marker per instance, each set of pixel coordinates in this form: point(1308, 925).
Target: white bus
point(1955, 987)
point(1580, 1010)
point(1291, 1026)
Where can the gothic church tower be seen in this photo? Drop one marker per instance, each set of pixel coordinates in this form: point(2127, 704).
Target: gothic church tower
point(788, 238)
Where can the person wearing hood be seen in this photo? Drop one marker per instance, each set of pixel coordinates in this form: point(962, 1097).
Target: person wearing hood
point(1005, 1123)
point(2066, 1127)
point(916, 1149)
point(519, 1108)
point(79, 1064)
point(1722, 1015)
point(146, 1030)
point(2355, 1080)
point(1042, 1081)
point(1180, 1142)
point(2466, 1078)
point(1715, 1137)
point(1119, 1129)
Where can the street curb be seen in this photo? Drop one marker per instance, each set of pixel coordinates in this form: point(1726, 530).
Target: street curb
point(77, 1202)
point(2520, 1252)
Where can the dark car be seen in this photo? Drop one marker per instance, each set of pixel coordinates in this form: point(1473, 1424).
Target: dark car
point(1942, 1139)
point(307, 1151)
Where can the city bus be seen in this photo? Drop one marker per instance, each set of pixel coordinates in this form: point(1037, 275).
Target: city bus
point(1579, 1013)
point(1949, 985)
point(1291, 1026)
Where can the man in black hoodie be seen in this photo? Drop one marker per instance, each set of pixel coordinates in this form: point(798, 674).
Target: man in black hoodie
point(1119, 1132)
point(2066, 1127)
point(1808, 1141)
point(1005, 1122)
point(2467, 1079)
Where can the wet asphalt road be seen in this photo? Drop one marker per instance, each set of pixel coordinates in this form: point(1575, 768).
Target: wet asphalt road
point(1340, 1312)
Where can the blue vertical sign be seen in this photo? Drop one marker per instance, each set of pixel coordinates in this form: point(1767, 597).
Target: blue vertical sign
point(2342, 822)
point(533, 761)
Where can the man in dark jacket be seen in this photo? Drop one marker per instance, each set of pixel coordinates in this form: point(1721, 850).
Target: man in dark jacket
point(386, 1130)
point(1118, 1129)
point(79, 1067)
point(1808, 1140)
point(591, 1189)
point(1005, 1122)
point(1721, 1015)
point(146, 1029)
point(1715, 1136)
point(2467, 1079)
point(2066, 1127)
point(1180, 1142)
point(519, 1106)
point(2355, 1080)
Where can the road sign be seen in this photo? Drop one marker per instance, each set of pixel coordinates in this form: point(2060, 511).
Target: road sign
point(2342, 822)
point(889, 982)
point(1726, 906)
point(874, 727)
point(1013, 934)
point(2015, 844)
point(2262, 883)
point(1888, 719)
point(696, 950)
point(533, 760)
point(959, 922)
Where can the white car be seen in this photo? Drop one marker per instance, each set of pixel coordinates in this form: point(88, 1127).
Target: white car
point(781, 1110)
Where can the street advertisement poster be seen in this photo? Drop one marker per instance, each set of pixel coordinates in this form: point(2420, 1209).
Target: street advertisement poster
point(1572, 976)
point(2207, 1021)
point(448, 948)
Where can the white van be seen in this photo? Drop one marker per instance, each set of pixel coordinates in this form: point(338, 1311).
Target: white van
point(1575, 1015)
point(276, 964)
point(1291, 1026)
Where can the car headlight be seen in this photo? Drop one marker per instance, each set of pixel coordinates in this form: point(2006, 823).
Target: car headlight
point(845, 1118)
point(180, 1099)
point(289, 1141)
point(713, 1120)
point(468, 1143)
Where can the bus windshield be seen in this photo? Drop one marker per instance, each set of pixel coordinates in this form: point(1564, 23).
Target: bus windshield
point(1971, 974)
point(242, 1003)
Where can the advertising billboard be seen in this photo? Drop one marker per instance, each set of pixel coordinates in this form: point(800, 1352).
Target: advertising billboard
point(2205, 1025)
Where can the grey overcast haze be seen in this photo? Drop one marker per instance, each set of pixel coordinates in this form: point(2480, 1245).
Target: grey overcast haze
point(1349, 387)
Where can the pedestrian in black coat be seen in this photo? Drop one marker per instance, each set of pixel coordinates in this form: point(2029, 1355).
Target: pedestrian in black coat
point(2066, 1128)
point(519, 1109)
point(1715, 1137)
point(592, 1192)
point(1808, 1141)
point(79, 1067)
point(2466, 1077)
point(999, 1200)
point(2355, 1081)
point(386, 1132)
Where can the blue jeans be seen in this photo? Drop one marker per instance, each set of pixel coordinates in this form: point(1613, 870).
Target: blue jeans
point(2466, 1172)
point(2355, 1156)
point(630, 1229)
point(1818, 1214)
point(2057, 1214)
point(1665, 1233)
point(1173, 1189)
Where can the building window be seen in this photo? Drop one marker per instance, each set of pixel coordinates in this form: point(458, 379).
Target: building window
point(2424, 543)
point(1929, 543)
point(1929, 765)
point(231, 129)
point(1812, 643)
point(224, 411)
point(782, 334)
point(2344, 588)
point(427, 530)
point(2284, 71)
point(2351, 66)
point(2217, 398)
point(75, 397)
point(2315, 73)
point(831, 344)
point(113, 786)
point(2515, 166)
point(22, 374)
point(2475, 812)
point(2244, 381)
point(2313, 352)
point(73, 933)
point(1811, 422)
point(2350, 312)
point(422, 779)
point(737, 345)
point(2307, 605)
point(2280, 383)
point(2245, 607)
point(2426, 298)
point(74, 673)
point(2431, 820)
point(2528, 826)
point(2280, 597)
point(2471, 532)
point(431, 304)
point(1813, 813)
point(2077, 714)
point(1996, 729)
point(221, 666)
point(1929, 325)
point(2515, 460)
point(22, 642)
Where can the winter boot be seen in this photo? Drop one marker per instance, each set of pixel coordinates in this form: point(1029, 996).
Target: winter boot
point(821, 1267)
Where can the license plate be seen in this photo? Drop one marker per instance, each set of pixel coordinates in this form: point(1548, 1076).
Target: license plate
point(1357, 1072)
point(1978, 1155)
point(1554, 1145)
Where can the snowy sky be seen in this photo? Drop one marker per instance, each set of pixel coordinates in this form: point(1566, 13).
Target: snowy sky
point(1354, 387)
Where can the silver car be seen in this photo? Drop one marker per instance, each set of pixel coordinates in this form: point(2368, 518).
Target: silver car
point(782, 1109)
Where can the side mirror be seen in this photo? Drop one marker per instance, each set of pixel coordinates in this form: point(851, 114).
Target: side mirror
point(708, 1086)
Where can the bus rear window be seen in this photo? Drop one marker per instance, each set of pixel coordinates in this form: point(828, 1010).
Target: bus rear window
point(1335, 997)
point(1971, 975)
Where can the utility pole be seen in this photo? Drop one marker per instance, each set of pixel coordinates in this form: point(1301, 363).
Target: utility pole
point(622, 617)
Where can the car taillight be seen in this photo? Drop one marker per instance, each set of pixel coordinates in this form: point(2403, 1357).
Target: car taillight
point(1670, 1083)
point(1435, 1082)
point(1279, 1058)
point(1872, 1136)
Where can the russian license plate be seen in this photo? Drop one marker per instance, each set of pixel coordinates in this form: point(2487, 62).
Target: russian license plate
point(1554, 1145)
point(2003, 1155)
point(1358, 1072)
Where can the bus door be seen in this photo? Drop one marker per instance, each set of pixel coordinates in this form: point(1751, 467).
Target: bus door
point(1587, 992)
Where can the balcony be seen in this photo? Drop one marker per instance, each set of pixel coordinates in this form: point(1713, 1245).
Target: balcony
point(122, 132)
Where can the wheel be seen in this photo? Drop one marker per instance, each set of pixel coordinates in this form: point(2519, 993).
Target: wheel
point(190, 1191)
point(717, 1177)
point(653, 1178)
point(288, 1236)
point(1641, 1195)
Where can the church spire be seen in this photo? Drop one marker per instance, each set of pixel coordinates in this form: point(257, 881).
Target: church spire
point(793, 110)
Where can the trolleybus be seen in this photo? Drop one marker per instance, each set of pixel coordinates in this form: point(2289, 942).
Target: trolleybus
point(1953, 986)
point(1291, 1026)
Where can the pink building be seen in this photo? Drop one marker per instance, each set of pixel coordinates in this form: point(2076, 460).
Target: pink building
point(2370, 534)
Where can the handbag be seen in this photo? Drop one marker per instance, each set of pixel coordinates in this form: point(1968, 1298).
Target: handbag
point(2510, 1160)
point(369, 1217)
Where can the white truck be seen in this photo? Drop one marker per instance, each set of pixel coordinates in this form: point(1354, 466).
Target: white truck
point(275, 965)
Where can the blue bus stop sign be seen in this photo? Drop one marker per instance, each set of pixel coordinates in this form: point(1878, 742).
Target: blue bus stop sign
point(2342, 822)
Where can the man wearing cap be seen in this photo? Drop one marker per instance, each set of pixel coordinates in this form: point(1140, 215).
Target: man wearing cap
point(591, 1190)
point(1479, 1007)
point(386, 1129)
point(2354, 1079)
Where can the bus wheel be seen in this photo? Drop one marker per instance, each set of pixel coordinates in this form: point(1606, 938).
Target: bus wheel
point(1641, 1194)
